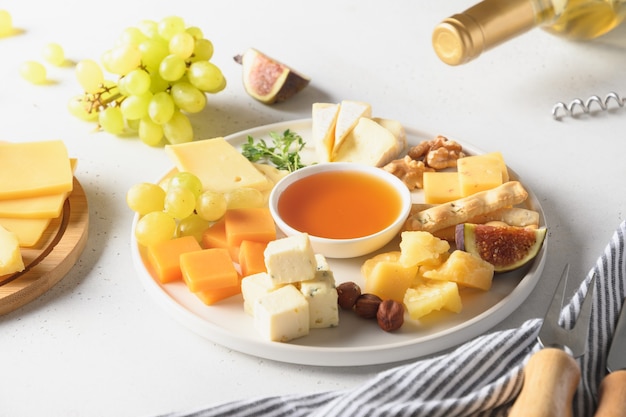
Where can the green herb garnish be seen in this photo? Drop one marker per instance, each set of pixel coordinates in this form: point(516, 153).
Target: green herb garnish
point(284, 152)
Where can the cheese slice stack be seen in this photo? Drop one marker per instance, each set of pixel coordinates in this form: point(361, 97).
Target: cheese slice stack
point(35, 180)
point(347, 132)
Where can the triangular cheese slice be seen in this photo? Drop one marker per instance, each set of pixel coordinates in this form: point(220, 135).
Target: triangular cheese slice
point(396, 128)
point(368, 143)
point(349, 114)
point(324, 119)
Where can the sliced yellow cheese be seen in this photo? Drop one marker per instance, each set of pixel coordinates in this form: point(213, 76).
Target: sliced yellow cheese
point(479, 173)
point(349, 114)
point(368, 143)
point(46, 206)
point(27, 231)
point(39, 207)
point(218, 164)
point(323, 121)
point(10, 255)
point(441, 187)
point(34, 168)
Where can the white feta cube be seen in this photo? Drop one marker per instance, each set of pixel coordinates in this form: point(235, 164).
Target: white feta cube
point(254, 287)
point(321, 295)
point(290, 259)
point(282, 315)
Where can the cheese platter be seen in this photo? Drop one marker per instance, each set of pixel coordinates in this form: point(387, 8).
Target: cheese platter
point(355, 341)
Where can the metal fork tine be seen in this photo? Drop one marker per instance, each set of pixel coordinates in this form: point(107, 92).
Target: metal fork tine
point(552, 334)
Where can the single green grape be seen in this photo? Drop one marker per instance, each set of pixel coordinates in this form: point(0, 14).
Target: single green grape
point(211, 205)
point(189, 181)
point(150, 28)
point(192, 225)
point(172, 68)
point(170, 26)
point(179, 202)
point(187, 97)
point(149, 132)
point(152, 53)
point(203, 50)
point(33, 72)
point(135, 107)
point(54, 54)
point(6, 23)
point(89, 75)
point(178, 129)
point(155, 227)
point(195, 31)
point(132, 36)
point(145, 197)
point(182, 44)
point(111, 120)
point(206, 76)
point(122, 59)
point(137, 81)
point(244, 197)
point(161, 108)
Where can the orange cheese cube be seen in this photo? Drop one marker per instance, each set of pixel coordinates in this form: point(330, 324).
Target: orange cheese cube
point(255, 224)
point(165, 257)
point(211, 297)
point(215, 236)
point(441, 187)
point(251, 257)
point(208, 269)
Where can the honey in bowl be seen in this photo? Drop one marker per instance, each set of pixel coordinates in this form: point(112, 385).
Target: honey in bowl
point(340, 204)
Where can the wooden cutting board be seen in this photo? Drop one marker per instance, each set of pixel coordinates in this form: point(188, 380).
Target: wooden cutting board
point(56, 253)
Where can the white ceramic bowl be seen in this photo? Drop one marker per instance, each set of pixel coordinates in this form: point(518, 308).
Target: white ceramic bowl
point(344, 247)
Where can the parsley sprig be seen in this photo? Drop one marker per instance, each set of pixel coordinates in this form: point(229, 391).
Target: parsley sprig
point(283, 152)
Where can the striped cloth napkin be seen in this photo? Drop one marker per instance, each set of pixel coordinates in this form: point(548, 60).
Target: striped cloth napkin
point(479, 378)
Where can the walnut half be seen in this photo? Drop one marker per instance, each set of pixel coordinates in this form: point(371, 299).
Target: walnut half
point(409, 170)
point(438, 153)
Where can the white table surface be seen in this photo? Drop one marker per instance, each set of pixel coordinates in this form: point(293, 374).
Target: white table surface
point(97, 344)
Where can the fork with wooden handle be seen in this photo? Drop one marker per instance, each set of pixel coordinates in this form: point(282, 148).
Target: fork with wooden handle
point(551, 375)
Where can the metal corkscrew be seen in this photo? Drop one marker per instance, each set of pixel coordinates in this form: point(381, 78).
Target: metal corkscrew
point(568, 109)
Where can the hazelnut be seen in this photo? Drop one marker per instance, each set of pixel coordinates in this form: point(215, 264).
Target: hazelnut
point(390, 315)
point(347, 293)
point(366, 305)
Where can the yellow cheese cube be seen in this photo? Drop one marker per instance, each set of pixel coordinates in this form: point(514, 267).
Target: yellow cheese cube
point(479, 173)
point(441, 187)
point(10, 256)
point(34, 169)
point(218, 164)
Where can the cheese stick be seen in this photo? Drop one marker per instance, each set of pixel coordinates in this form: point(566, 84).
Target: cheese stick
point(464, 209)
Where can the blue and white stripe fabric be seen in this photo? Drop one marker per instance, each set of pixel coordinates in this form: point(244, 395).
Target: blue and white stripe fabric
point(479, 378)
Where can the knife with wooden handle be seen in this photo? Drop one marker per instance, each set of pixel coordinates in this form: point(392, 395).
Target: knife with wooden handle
point(612, 395)
point(551, 375)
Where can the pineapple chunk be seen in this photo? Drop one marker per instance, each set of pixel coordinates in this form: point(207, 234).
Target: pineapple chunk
point(465, 269)
point(422, 248)
point(431, 296)
point(386, 277)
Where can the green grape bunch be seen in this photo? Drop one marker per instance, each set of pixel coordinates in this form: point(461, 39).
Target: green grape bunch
point(164, 72)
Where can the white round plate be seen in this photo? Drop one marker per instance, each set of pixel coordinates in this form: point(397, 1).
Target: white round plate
point(355, 341)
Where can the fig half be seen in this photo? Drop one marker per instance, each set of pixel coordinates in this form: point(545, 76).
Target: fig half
point(505, 247)
point(268, 80)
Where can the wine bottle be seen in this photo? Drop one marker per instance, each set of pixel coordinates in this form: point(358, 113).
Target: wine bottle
point(464, 36)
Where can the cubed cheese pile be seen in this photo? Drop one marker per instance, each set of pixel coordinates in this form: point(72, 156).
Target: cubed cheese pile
point(347, 132)
point(35, 180)
point(296, 294)
point(474, 174)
